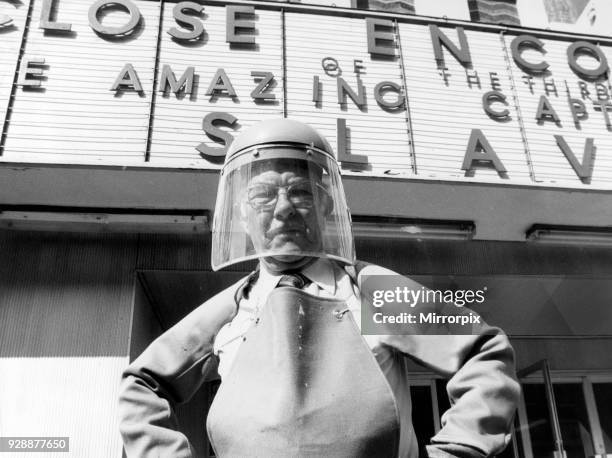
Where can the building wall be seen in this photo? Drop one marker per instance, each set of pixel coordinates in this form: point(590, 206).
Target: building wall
point(590, 17)
point(72, 316)
point(564, 10)
point(494, 11)
point(65, 310)
point(441, 8)
point(595, 18)
point(392, 6)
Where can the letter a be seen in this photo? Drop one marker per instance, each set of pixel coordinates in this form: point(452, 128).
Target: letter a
point(546, 112)
point(127, 77)
point(219, 83)
point(479, 150)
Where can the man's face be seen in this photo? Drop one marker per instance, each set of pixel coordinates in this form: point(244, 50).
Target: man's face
point(284, 209)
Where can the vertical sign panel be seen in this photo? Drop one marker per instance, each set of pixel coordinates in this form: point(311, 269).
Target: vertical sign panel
point(451, 127)
point(73, 116)
point(563, 113)
point(226, 77)
point(331, 76)
point(12, 23)
point(74, 397)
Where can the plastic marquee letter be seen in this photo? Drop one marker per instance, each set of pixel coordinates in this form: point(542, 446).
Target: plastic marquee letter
point(122, 30)
point(584, 47)
point(583, 170)
point(344, 89)
point(31, 67)
point(527, 41)
point(479, 150)
point(579, 111)
point(462, 54)
point(491, 97)
point(234, 24)
point(344, 157)
point(219, 83)
point(386, 86)
point(128, 78)
point(5, 20)
point(46, 23)
point(546, 112)
point(185, 20)
point(168, 79)
point(380, 42)
point(266, 82)
point(216, 134)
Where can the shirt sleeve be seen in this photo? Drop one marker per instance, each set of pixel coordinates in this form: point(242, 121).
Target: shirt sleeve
point(482, 387)
point(167, 373)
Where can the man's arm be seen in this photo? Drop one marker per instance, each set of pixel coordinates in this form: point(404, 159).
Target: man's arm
point(169, 372)
point(483, 389)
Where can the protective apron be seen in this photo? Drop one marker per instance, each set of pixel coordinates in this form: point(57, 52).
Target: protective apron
point(304, 384)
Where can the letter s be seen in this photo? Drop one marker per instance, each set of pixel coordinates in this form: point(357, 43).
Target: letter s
point(217, 135)
point(183, 19)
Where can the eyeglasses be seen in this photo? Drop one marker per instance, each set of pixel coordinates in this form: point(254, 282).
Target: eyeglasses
point(264, 196)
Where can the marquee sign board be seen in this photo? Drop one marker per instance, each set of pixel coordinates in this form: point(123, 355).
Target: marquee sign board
point(130, 83)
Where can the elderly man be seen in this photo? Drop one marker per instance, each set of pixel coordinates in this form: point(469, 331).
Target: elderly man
point(298, 378)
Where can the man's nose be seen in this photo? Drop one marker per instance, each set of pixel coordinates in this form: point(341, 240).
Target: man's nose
point(284, 208)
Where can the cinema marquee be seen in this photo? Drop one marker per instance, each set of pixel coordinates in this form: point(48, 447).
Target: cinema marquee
point(126, 82)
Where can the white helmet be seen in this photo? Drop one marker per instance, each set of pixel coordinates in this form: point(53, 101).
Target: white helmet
point(254, 219)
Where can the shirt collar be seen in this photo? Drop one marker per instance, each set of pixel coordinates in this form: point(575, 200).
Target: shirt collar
point(320, 272)
point(267, 281)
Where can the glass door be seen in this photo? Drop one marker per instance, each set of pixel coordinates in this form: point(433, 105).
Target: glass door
point(557, 420)
point(539, 430)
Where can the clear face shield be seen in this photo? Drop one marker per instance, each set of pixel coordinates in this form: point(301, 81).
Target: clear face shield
point(281, 201)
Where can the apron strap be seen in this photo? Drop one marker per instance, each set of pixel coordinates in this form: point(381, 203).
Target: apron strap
point(353, 271)
point(243, 290)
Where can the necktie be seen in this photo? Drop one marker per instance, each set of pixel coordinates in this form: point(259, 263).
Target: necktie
point(296, 280)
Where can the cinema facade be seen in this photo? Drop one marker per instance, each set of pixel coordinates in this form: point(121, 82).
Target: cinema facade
point(474, 156)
